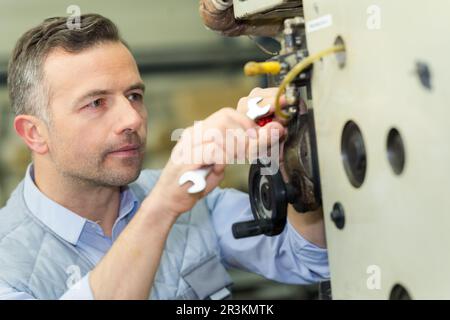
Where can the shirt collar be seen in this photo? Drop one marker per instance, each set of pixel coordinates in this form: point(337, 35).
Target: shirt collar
point(59, 219)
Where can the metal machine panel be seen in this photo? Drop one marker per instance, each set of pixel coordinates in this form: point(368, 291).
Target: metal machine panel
point(396, 232)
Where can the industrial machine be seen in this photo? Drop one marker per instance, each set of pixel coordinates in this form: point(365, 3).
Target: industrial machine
point(368, 133)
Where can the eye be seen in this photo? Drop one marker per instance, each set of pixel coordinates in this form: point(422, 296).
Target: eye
point(96, 104)
point(135, 97)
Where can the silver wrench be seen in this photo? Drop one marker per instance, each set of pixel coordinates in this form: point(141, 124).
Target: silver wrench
point(198, 177)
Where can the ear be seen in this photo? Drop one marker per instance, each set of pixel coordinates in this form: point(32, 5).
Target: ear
point(33, 132)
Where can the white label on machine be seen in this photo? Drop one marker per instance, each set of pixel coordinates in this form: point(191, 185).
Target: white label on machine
point(319, 23)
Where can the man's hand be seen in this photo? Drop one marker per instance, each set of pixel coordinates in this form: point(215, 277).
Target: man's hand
point(310, 225)
point(268, 96)
point(214, 149)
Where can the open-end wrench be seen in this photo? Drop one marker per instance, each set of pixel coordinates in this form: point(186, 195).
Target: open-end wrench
point(254, 111)
point(198, 177)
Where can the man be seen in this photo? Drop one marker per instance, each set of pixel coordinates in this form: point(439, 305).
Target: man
point(87, 223)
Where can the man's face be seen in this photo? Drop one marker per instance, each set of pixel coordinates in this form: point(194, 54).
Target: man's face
point(98, 126)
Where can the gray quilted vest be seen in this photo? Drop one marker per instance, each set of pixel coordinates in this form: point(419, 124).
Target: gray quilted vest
point(35, 260)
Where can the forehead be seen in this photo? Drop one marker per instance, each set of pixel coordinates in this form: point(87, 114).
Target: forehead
point(107, 66)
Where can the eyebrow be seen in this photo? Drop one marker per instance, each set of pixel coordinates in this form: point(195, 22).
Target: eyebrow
point(137, 86)
point(98, 92)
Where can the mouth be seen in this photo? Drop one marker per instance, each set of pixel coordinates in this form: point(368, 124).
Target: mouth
point(129, 150)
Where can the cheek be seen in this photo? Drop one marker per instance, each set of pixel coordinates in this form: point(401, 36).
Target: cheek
point(88, 142)
point(74, 142)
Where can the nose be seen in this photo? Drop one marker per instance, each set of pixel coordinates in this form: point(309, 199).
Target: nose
point(129, 118)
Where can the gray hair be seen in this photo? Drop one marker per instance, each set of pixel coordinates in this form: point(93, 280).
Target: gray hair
point(28, 91)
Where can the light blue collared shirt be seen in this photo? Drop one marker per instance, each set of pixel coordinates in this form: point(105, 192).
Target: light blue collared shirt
point(286, 258)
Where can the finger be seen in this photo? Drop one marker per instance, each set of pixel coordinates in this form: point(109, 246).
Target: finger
point(273, 131)
point(212, 181)
point(282, 150)
point(263, 92)
point(212, 153)
point(228, 118)
point(219, 168)
point(242, 120)
point(218, 127)
point(269, 139)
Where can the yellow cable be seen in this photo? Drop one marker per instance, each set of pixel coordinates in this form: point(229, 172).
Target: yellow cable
point(299, 68)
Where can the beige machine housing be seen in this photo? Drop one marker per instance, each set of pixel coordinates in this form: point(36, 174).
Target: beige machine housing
point(396, 232)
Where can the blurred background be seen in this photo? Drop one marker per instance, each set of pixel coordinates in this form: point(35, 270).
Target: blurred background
point(190, 72)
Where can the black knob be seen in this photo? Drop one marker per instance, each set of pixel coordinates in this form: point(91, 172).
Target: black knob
point(249, 228)
point(338, 215)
